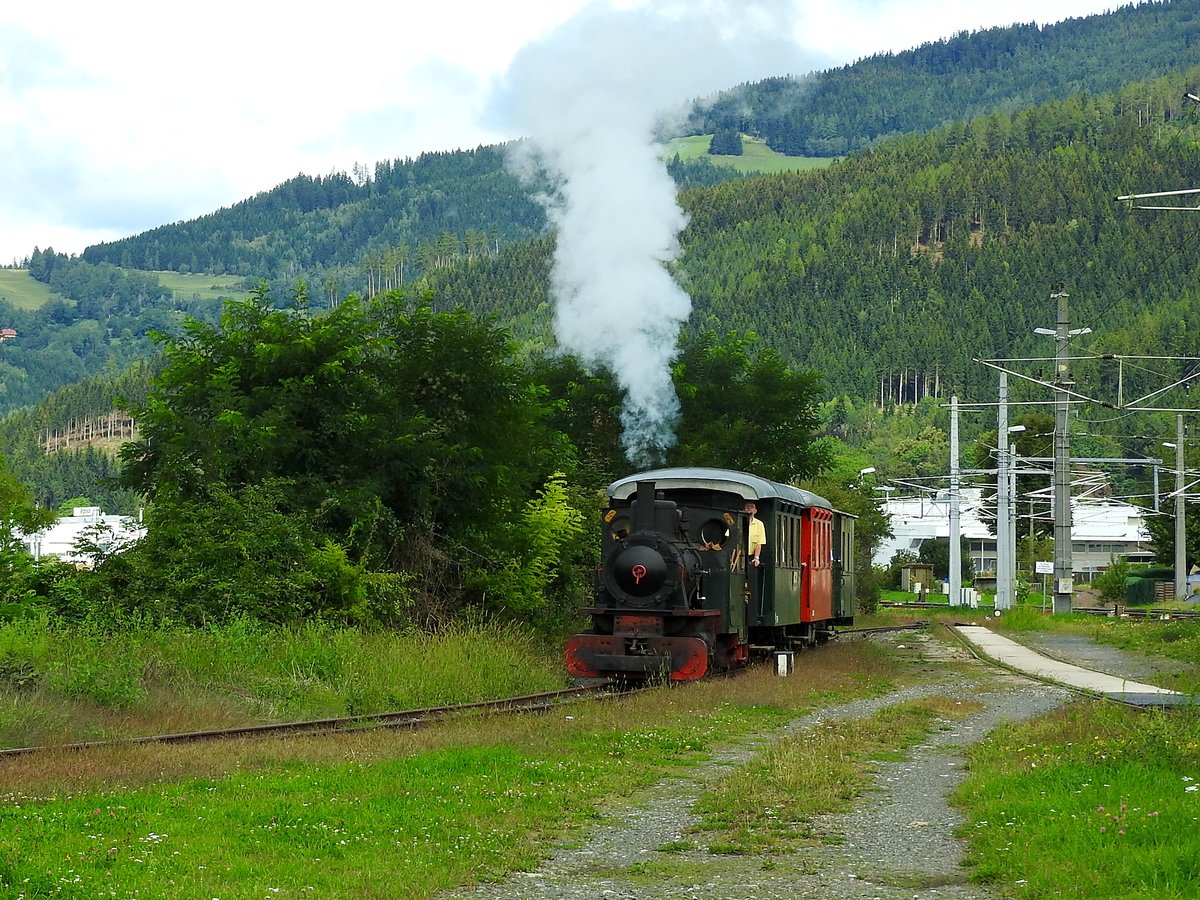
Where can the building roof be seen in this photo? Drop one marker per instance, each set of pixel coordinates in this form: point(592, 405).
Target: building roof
point(914, 519)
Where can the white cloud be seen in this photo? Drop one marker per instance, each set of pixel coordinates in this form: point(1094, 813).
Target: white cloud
point(118, 117)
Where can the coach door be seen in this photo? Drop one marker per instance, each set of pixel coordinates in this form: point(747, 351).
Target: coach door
point(817, 565)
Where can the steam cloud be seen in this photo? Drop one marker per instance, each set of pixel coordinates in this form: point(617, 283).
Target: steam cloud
point(591, 97)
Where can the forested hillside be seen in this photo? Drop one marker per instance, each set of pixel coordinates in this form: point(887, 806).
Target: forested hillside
point(99, 320)
point(346, 234)
point(892, 270)
point(65, 447)
point(841, 110)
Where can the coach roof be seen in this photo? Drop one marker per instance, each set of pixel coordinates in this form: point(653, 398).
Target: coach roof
point(749, 487)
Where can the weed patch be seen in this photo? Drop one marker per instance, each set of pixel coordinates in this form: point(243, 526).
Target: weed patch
point(1089, 789)
point(148, 680)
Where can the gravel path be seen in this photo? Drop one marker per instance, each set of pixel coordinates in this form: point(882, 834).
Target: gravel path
point(898, 841)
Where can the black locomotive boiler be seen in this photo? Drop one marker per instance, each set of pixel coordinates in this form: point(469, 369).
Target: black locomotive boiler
point(677, 594)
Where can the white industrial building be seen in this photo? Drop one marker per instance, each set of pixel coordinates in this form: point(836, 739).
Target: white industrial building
point(1101, 530)
point(88, 523)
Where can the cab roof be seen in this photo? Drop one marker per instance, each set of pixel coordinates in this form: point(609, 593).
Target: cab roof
point(747, 486)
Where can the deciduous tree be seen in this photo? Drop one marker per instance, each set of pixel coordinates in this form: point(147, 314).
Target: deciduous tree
point(744, 408)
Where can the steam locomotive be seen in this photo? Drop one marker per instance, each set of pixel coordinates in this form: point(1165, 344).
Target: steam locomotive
point(678, 596)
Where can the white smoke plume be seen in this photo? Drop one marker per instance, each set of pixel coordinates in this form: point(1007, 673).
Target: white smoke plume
point(590, 98)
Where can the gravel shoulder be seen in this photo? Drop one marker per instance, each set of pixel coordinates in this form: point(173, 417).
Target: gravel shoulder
point(898, 841)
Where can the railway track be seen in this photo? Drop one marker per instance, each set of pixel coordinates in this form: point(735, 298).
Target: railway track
point(883, 629)
point(412, 718)
point(1123, 612)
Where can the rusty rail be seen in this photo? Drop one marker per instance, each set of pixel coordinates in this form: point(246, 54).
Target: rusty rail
point(411, 718)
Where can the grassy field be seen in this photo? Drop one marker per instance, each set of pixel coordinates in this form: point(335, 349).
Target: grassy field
point(202, 287)
point(21, 290)
point(756, 156)
point(381, 813)
point(1092, 800)
point(24, 292)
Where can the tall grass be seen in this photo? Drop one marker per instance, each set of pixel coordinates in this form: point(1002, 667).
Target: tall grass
point(70, 682)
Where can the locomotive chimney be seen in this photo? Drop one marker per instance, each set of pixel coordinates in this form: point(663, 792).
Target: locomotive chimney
point(643, 507)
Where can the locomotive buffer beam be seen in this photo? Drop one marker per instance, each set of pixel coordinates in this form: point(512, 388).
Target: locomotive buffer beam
point(638, 647)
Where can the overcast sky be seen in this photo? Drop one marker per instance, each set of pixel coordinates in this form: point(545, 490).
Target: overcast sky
point(117, 117)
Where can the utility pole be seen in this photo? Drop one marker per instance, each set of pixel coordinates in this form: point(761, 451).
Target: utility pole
point(1004, 549)
point(1180, 531)
point(954, 529)
point(1063, 575)
point(1012, 515)
point(1062, 385)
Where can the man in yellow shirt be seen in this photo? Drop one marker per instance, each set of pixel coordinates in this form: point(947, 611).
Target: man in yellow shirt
point(758, 534)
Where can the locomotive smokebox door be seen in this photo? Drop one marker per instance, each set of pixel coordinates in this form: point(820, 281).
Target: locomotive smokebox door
point(640, 571)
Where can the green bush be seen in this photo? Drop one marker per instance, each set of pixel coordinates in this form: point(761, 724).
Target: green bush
point(1111, 582)
point(870, 588)
point(548, 536)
